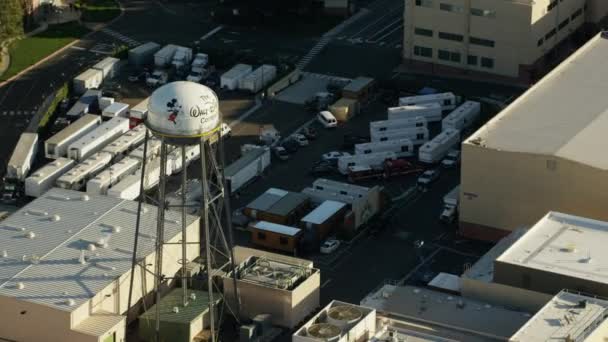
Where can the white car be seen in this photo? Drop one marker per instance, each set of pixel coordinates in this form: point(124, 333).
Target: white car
point(327, 119)
point(334, 155)
point(157, 78)
point(452, 159)
point(300, 139)
point(428, 177)
point(195, 76)
point(329, 246)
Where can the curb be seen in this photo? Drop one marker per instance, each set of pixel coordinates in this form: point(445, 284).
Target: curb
point(19, 74)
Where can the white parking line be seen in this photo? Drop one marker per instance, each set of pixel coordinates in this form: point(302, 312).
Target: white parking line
point(378, 20)
point(384, 28)
point(212, 32)
point(388, 34)
point(77, 48)
point(325, 283)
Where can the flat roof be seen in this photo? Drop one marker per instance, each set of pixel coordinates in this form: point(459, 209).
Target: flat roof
point(245, 160)
point(288, 203)
point(358, 84)
point(186, 314)
point(276, 228)
point(61, 224)
point(446, 281)
point(483, 269)
point(321, 213)
point(447, 311)
point(267, 199)
point(564, 115)
point(564, 244)
point(567, 315)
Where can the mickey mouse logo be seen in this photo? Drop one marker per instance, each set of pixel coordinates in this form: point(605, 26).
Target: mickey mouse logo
point(173, 107)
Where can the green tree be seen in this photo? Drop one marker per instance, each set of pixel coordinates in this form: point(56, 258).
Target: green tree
point(11, 19)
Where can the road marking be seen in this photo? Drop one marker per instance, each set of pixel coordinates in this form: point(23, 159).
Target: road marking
point(377, 20)
point(77, 48)
point(389, 33)
point(386, 27)
point(165, 8)
point(326, 282)
point(212, 32)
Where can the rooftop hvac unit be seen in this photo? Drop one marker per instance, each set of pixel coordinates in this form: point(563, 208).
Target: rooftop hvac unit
point(324, 331)
point(343, 316)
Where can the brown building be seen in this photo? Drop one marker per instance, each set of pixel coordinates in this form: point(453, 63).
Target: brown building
point(275, 236)
point(325, 219)
point(278, 206)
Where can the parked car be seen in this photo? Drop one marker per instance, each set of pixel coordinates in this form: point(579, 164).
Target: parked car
point(195, 76)
point(350, 140)
point(291, 146)
point(329, 246)
point(300, 139)
point(239, 219)
point(428, 177)
point(310, 133)
point(452, 159)
point(157, 78)
point(327, 119)
point(323, 168)
point(280, 153)
point(138, 77)
point(333, 156)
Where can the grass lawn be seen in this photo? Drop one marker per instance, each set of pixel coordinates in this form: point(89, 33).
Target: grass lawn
point(28, 51)
point(99, 11)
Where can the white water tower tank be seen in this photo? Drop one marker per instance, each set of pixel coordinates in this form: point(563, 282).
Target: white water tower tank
point(182, 112)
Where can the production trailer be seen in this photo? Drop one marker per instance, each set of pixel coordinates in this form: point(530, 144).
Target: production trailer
point(44, 178)
point(138, 113)
point(108, 67)
point(401, 147)
point(247, 168)
point(19, 166)
point(418, 135)
point(462, 117)
point(124, 144)
point(434, 150)
point(57, 145)
point(79, 175)
point(128, 187)
point(98, 138)
point(143, 54)
point(450, 205)
point(174, 159)
point(230, 79)
point(164, 56)
point(90, 79)
point(114, 110)
point(446, 100)
point(391, 125)
point(112, 175)
point(259, 78)
point(89, 102)
point(152, 153)
point(182, 58)
point(370, 160)
point(431, 112)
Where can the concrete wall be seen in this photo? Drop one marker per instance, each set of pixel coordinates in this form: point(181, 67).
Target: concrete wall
point(544, 281)
point(510, 190)
point(503, 295)
point(596, 10)
point(516, 29)
point(37, 323)
point(600, 334)
point(287, 308)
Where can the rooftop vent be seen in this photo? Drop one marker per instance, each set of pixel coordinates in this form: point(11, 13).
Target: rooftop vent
point(82, 259)
point(325, 331)
point(55, 218)
point(91, 247)
point(343, 315)
point(70, 302)
point(4, 254)
point(193, 296)
point(20, 286)
point(175, 309)
point(30, 235)
point(85, 198)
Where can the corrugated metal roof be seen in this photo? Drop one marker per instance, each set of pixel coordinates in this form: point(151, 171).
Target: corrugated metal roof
point(564, 115)
point(276, 228)
point(195, 308)
point(323, 212)
point(64, 223)
point(287, 203)
point(266, 200)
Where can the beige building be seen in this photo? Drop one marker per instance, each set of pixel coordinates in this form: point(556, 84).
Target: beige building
point(285, 288)
point(65, 266)
point(546, 151)
point(501, 37)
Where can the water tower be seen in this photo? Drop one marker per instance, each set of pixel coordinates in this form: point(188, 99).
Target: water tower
point(183, 114)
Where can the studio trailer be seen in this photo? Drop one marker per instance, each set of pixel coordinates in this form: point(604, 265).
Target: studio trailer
point(174, 158)
point(431, 112)
point(153, 150)
point(57, 145)
point(462, 117)
point(164, 56)
point(19, 166)
point(114, 110)
point(138, 113)
point(251, 165)
point(108, 67)
point(434, 150)
point(89, 79)
point(259, 78)
point(231, 78)
point(418, 135)
point(79, 175)
point(446, 100)
point(44, 178)
point(143, 54)
point(124, 144)
point(369, 160)
point(128, 187)
point(401, 147)
point(115, 173)
point(391, 125)
point(98, 138)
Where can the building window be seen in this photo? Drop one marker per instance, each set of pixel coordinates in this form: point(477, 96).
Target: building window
point(423, 51)
point(550, 34)
point(449, 56)
point(487, 62)
point(552, 5)
point(576, 14)
point(261, 236)
point(481, 41)
point(420, 136)
point(471, 60)
point(450, 36)
point(483, 13)
point(563, 24)
point(283, 240)
point(405, 148)
point(540, 42)
point(423, 32)
point(424, 3)
point(367, 151)
point(450, 8)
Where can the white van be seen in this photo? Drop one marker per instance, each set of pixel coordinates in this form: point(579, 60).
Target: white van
point(327, 119)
